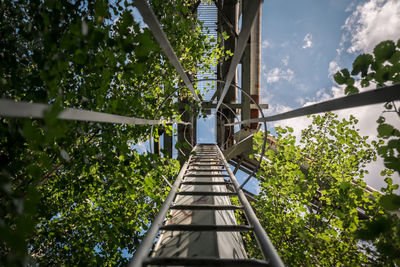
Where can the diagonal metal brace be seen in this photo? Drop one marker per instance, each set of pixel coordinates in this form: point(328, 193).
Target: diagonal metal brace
point(151, 20)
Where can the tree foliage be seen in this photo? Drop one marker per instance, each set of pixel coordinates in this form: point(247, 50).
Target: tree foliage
point(78, 192)
point(383, 69)
point(312, 193)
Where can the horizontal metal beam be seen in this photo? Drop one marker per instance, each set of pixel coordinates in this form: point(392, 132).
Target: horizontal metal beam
point(380, 95)
point(151, 20)
point(21, 109)
point(253, 7)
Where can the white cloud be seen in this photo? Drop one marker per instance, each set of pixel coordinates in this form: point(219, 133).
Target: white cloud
point(285, 61)
point(266, 97)
point(371, 23)
point(307, 41)
point(333, 68)
point(263, 67)
point(265, 44)
point(367, 116)
point(206, 134)
point(285, 44)
point(301, 100)
point(298, 124)
point(276, 74)
point(141, 147)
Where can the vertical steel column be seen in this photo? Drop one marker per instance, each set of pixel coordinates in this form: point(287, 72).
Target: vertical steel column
point(251, 76)
point(186, 133)
point(245, 101)
point(156, 147)
point(255, 60)
point(167, 145)
point(253, 8)
point(227, 17)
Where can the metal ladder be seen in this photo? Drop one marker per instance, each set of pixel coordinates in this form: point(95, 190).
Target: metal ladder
point(206, 158)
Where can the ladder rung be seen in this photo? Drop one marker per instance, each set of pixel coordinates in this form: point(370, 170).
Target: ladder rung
point(205, 159)
point(205, 183)
point(207, 170)
point(206, 207)
point(205, 193)
point(206, 227)
point(205, 156)
point(200, 164)
point(206, 175)
point(210, 162)
point(204, 261)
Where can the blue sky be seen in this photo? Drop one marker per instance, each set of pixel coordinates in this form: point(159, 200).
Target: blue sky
point(304, 43)
point(299, 39)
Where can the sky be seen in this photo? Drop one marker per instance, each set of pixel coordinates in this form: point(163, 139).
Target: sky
point(305, 42)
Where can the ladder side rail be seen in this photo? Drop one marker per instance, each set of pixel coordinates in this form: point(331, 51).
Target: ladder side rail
point(144, 248)
point(267, 248)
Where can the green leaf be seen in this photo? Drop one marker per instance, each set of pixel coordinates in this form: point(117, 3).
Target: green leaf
point(384, 50)
point(386, 130)
point(79, 57)
point(390, 202)
point(361, 64)
point(350, 90)
point(395, 59)
point(350, 81)
point(384, 74)
point(341, 76)
point(365, 83)
point(101, 9)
